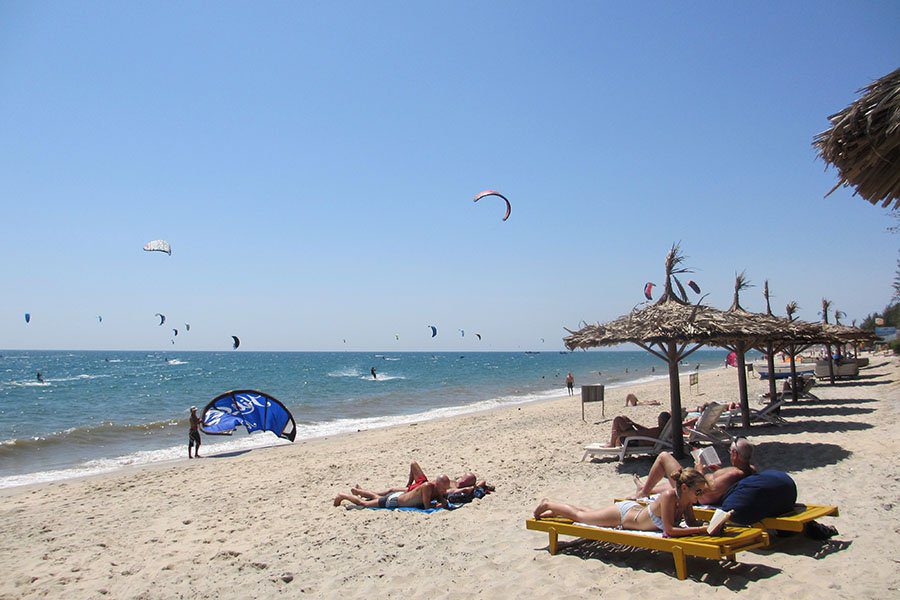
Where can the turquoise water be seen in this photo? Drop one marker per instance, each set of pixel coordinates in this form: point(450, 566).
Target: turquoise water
point(97, 411)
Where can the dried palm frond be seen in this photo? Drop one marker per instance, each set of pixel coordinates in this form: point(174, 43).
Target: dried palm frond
point(863, 142)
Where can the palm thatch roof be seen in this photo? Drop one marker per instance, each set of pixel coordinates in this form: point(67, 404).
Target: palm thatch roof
point(671, 318)
point(863, 142)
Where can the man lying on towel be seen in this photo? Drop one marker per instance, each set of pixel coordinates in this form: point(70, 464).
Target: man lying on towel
point(419, 497)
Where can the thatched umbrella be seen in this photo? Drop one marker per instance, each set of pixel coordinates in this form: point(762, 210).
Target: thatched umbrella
point(670, 329)
point(863, 142)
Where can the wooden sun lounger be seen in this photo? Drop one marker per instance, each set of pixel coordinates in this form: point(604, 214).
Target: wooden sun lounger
point(726, 545)
point(795, 520)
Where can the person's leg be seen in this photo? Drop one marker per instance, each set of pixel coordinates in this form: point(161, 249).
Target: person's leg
point(354, 500)
point(197, 449)
point(620, 425)
point(664, 464)
point(190, 445)
point(609, 516)
point(466, 480)
point(415, 473)
point(366, 494)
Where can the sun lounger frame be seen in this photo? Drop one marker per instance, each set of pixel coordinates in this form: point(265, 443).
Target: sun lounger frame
point(795, 520)
point(725, 546)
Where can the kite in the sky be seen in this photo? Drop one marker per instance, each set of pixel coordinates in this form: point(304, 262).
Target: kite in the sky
point(499, 195)
point(158, 246)
point(28, 317)
point(176, 333)
point(162, 318)
point(397, 336)
point(693, 285)
point(236, 341)
point(187, 326)
point(648, 291)
point(433, 330)
point(478, 335)
point(542, 340)
point(257, 411)
point(99, 319)
point(462, 333)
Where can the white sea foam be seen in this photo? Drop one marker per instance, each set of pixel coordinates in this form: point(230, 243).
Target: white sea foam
point(346, 372)
point(381, 377)
point(175, 361)
point(106, 465)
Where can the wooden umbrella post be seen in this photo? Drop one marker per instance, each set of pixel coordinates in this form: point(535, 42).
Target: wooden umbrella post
point(742, 385)
point(675, 397)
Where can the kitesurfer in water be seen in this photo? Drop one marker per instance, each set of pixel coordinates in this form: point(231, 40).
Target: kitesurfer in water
point(194, 433)
point(40, 377)
point(374, 373)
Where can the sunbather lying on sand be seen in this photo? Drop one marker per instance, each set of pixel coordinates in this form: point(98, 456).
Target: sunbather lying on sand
point(720, 478)
point(663, 514)
point(632, 400)
point(420, 497)
point(416, 478)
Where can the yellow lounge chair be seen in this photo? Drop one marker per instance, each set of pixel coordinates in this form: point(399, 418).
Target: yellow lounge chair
point(795, 520)
point(726, 545)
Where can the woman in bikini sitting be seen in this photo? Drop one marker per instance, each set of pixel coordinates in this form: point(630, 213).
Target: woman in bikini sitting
point(663, 514)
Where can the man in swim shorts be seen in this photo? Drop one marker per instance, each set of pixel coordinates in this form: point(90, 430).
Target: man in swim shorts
point(416, 478)
point(420, 497)
point(194, 433)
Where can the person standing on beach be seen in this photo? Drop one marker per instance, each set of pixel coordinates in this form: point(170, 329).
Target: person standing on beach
point(374, 374)
point(570, 383)
point(194, 433)
point(40, 377)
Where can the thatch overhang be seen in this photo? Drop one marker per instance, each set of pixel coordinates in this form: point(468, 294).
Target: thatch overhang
point(863, 142)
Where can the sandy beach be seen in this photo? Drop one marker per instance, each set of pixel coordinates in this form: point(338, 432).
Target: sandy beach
point(261, 523)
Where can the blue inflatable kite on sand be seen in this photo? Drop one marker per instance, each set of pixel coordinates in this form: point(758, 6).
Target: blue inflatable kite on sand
point(257, 411)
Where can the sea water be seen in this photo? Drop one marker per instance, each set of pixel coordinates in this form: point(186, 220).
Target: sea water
point(99, 411)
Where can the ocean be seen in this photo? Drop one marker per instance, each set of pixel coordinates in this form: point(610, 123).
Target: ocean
point(99, 411)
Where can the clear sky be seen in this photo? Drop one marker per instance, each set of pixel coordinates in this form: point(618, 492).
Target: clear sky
point(313, 165)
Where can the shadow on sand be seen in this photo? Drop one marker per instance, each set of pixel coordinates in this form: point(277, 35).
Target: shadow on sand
point(797, 456)
point(822, 411)
point(231, 454)
point(806, 427)
point(734, 576)
point(800, 545)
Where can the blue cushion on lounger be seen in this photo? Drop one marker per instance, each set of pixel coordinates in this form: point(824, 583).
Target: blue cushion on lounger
point(767, 494)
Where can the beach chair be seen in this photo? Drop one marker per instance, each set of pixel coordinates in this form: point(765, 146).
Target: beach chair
point(765, 414)
point(723, 546)
point(635, 444)
point(794, 521)
point(707, 429)
point(805, 383)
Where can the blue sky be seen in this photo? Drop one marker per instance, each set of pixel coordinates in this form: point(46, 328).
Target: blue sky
point(313, 166)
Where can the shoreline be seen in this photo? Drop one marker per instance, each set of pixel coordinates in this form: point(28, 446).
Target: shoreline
point(244, 443)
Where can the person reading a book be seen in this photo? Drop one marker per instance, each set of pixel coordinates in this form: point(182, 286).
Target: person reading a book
point(721, 478)
point(663, 514)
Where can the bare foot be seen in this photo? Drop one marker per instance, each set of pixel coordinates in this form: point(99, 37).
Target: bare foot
point(541, 508)
point(638, 488)
point(355, 490)
point(337, 500)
